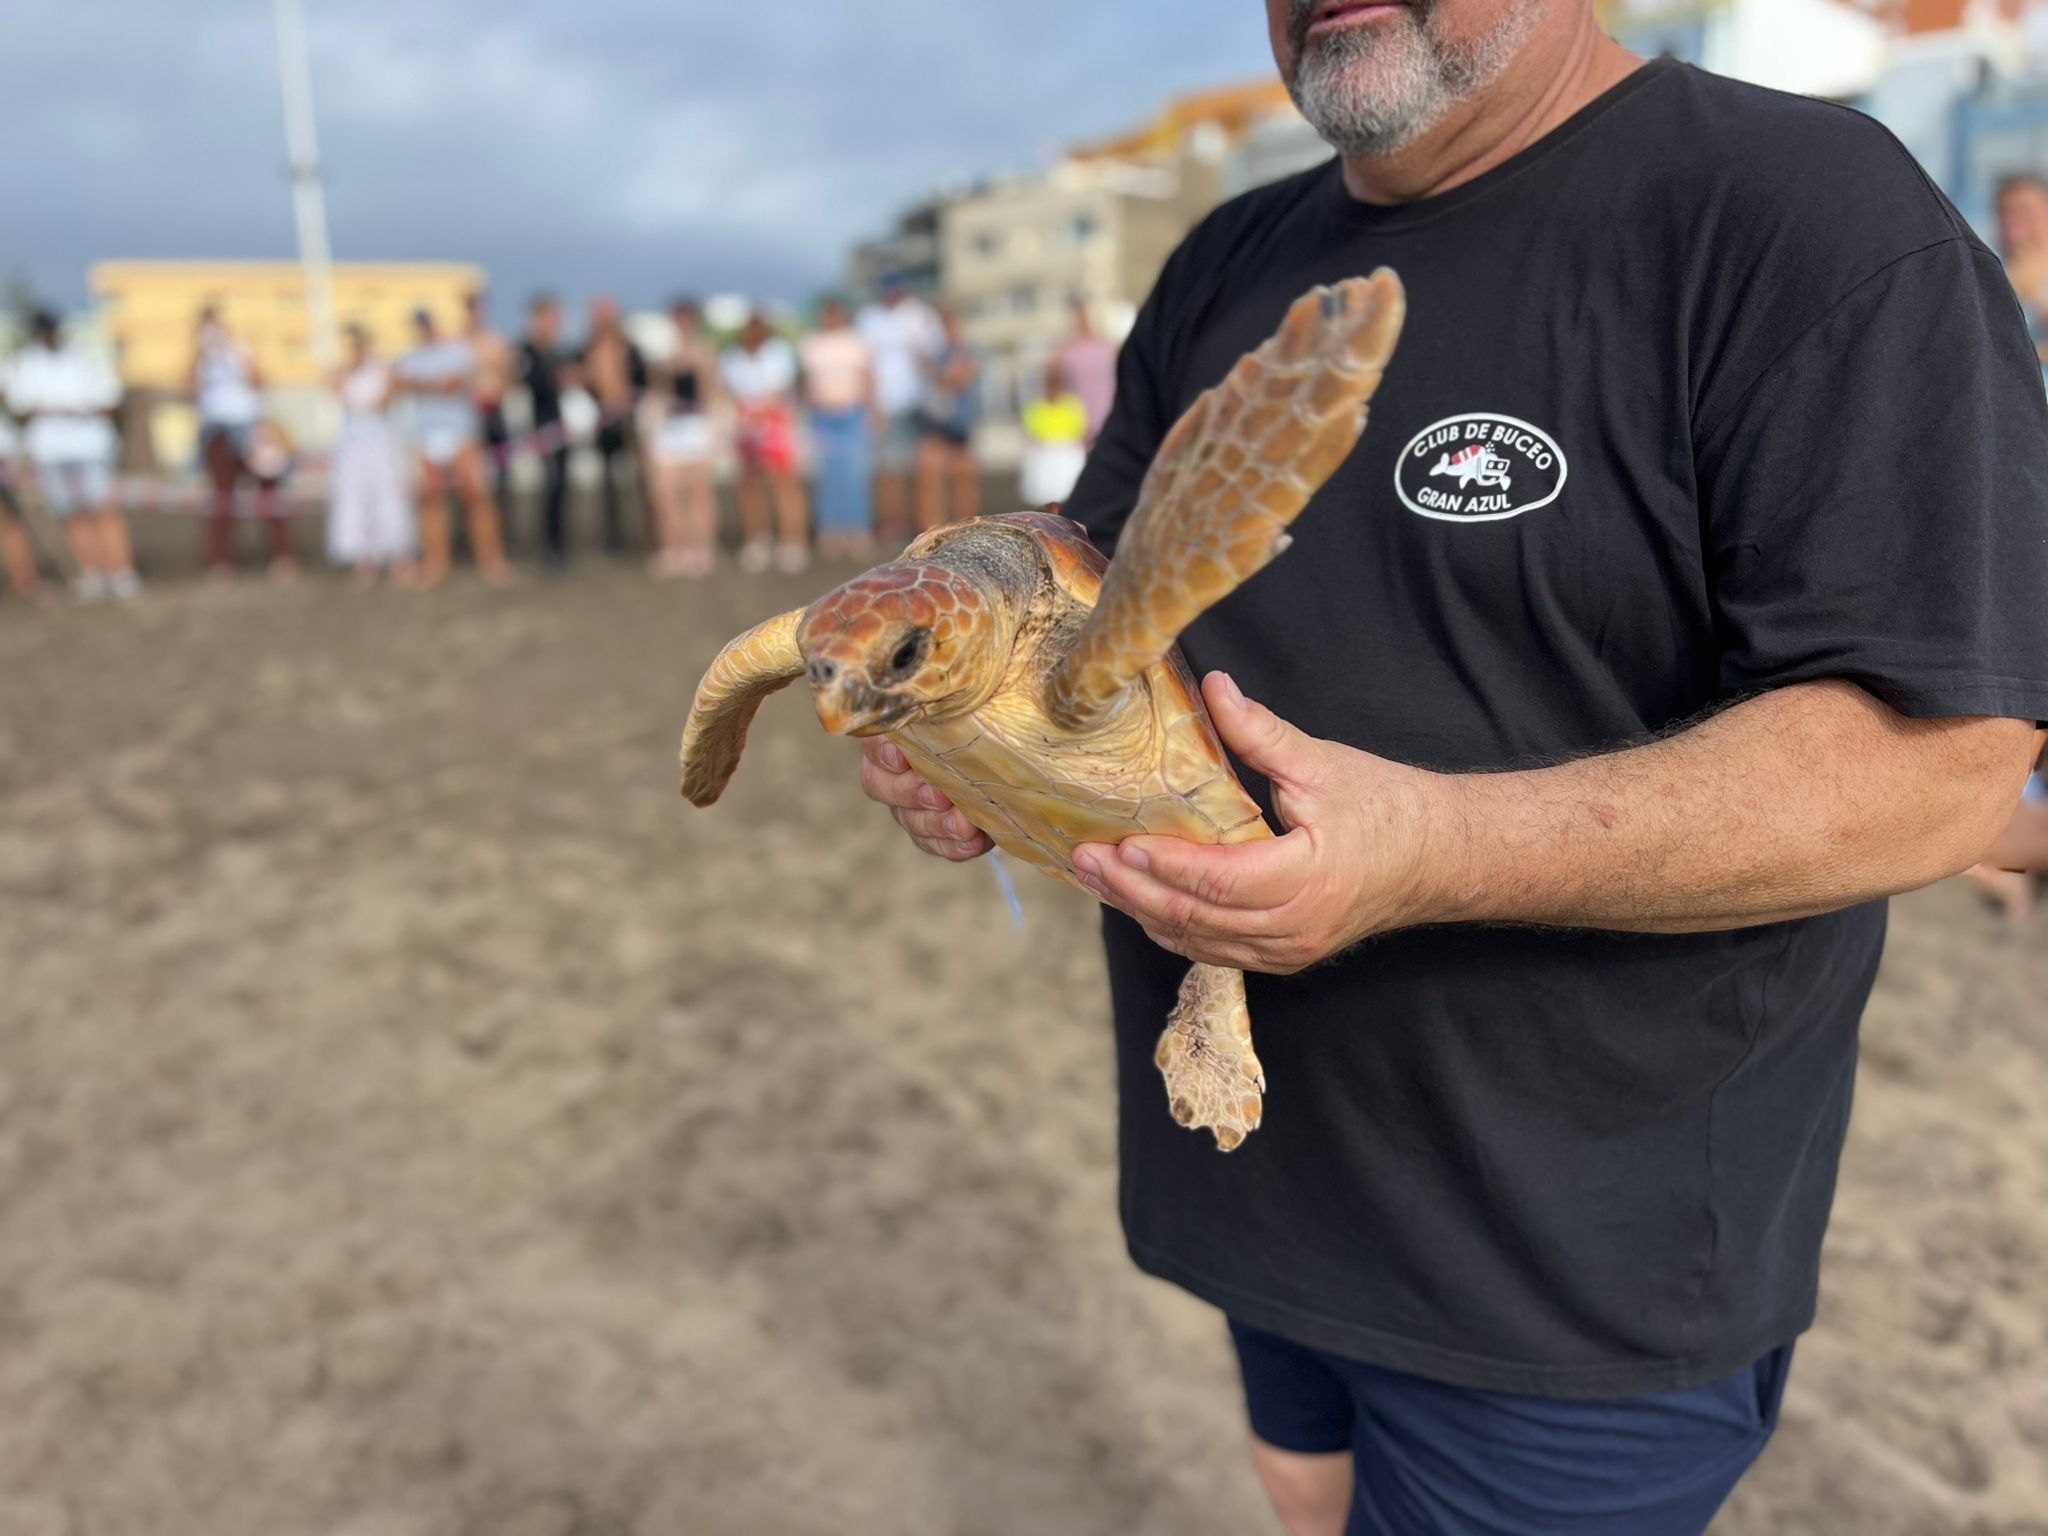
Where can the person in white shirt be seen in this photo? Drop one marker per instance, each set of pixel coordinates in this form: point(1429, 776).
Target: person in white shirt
point(903, 335)
point(759, 375)
point(227, 391)
point(16, 553)
point(369, 518)
point(67, 398)
point(439, 377)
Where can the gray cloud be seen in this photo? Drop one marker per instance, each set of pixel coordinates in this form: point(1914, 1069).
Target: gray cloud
point(637, 145)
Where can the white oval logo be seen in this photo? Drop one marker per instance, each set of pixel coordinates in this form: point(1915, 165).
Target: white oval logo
point(1479, 468)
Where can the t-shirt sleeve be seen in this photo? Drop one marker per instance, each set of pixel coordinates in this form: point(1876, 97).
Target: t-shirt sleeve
point(1875, 505)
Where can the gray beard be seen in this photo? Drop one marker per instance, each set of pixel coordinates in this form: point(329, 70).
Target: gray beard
point(1374, 91)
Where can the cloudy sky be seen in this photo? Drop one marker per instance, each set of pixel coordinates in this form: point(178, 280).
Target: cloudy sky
point(641, 146)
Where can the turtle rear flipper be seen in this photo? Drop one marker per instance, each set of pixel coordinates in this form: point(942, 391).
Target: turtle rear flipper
point(1235, 470)
point(1213, 1078)
point(750, 668)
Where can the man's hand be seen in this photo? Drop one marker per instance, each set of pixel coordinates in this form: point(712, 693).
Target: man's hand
point(928, 816)
point(1350, 865)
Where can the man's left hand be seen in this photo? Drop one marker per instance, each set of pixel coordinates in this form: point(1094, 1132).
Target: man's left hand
point(1353, 861)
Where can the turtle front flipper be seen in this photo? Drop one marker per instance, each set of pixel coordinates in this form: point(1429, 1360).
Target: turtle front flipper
point(1235, 470)
point(1213, 1078)
point(762, 660)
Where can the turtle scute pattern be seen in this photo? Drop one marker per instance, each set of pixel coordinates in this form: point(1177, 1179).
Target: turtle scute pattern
point(1233, 473)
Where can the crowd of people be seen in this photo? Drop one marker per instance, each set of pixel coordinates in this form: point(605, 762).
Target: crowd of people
point(845, 438)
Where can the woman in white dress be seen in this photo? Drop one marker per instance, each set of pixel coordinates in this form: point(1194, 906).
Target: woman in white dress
point(370, 522)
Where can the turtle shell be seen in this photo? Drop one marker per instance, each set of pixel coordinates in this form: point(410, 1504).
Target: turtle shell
point(1037, 787)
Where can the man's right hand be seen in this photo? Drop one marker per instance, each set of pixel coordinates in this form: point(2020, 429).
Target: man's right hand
point(928, 816)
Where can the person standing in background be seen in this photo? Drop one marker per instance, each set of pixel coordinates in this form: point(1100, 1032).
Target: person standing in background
point(17, 554)
point(901, 333)
point(839, 391)
point(685, 502)
point(615, 373)
point(369, 522)
point(493, 381)
point(759, 373)
point(438, 376)
point(540, 366)
point(226, 388)
point(1055, 434)
point(946, 466)
point(67, 398)
point(1087, 361)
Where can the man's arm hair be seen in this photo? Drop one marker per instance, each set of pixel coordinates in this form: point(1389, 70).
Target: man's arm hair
point(1798, 801)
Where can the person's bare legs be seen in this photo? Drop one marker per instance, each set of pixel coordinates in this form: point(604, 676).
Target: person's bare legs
point(486, 533)
point(82, 533)
point(1312, 1494)
point(792, 519)
point(2006, 873)
point(698, 500)
point(966, 482)
point(931, 483)
point(754, 529)
point(665, 495)
point(892, 501)
point(435, 553)
point(19, 557)
point(116, 548)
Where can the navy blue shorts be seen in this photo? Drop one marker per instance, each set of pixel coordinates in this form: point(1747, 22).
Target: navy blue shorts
point(1434, 1460)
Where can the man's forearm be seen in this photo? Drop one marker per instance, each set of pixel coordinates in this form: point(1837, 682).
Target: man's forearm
point(1799, 801)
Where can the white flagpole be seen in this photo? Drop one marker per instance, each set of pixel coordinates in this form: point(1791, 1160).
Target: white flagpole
point(309, 198)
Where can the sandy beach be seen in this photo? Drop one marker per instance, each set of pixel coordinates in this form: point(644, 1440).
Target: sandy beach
point(414, 1121)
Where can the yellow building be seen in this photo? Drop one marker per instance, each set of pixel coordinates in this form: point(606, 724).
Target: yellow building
point(148, 310)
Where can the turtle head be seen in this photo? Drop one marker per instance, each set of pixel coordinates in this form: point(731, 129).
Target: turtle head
point(906, 641)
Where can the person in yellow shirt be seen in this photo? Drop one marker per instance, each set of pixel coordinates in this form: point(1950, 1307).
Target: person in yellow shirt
point(1056, 433)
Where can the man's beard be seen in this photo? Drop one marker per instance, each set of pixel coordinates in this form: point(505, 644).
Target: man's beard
point(1372, 90)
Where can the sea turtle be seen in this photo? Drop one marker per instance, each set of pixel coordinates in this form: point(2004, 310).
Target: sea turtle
point(1040, 687)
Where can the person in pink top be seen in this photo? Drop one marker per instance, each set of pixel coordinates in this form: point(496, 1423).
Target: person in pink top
point(839, 392)
point(1087, 362)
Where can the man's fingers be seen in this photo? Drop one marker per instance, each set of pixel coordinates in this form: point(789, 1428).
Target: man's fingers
point(1258, 736)
point(1161, 906)
point(905, 791)
point(884, 754)
point(937, 826)
point(1253, 877)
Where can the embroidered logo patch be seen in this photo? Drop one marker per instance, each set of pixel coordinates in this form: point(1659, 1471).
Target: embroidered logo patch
point(1479, 468)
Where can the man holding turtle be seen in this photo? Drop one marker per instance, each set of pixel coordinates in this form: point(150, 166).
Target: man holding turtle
point(1679, 605)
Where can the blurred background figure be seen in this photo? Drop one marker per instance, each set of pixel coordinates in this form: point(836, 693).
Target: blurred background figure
point(227, 391)
point(613, 370)
point(1087, 361)
point(67, 397)
point(438, 377)
point(540, 366)
point(685, 502)
point(901, 333)
point(1055, 439)
point(759, 373)
point(493, 381)
point(948, 477)
point(839, 392)
point(17, 551)
point(369, 520)
point(2022, 210)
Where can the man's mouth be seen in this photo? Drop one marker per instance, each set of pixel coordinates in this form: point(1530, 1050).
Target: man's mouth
point(1333, 14)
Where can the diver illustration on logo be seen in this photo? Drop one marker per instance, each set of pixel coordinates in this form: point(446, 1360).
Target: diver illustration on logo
point(1475, 465)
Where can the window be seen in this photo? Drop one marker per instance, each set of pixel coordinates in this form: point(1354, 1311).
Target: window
point(1083, 227)
point(1023, 300)
point(987, 242)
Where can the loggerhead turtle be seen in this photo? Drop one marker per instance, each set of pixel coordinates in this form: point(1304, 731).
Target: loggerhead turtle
point(1040, 687)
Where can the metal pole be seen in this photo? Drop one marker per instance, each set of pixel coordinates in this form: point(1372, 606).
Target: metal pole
point(309, 198)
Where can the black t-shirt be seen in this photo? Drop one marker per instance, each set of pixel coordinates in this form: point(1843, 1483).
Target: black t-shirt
point(540, 370)
point(1706, 393)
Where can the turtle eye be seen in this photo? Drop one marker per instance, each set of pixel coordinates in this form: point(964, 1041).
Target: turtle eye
point(910, 653)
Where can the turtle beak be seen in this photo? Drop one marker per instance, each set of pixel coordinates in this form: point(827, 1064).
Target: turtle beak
point(849, 705)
